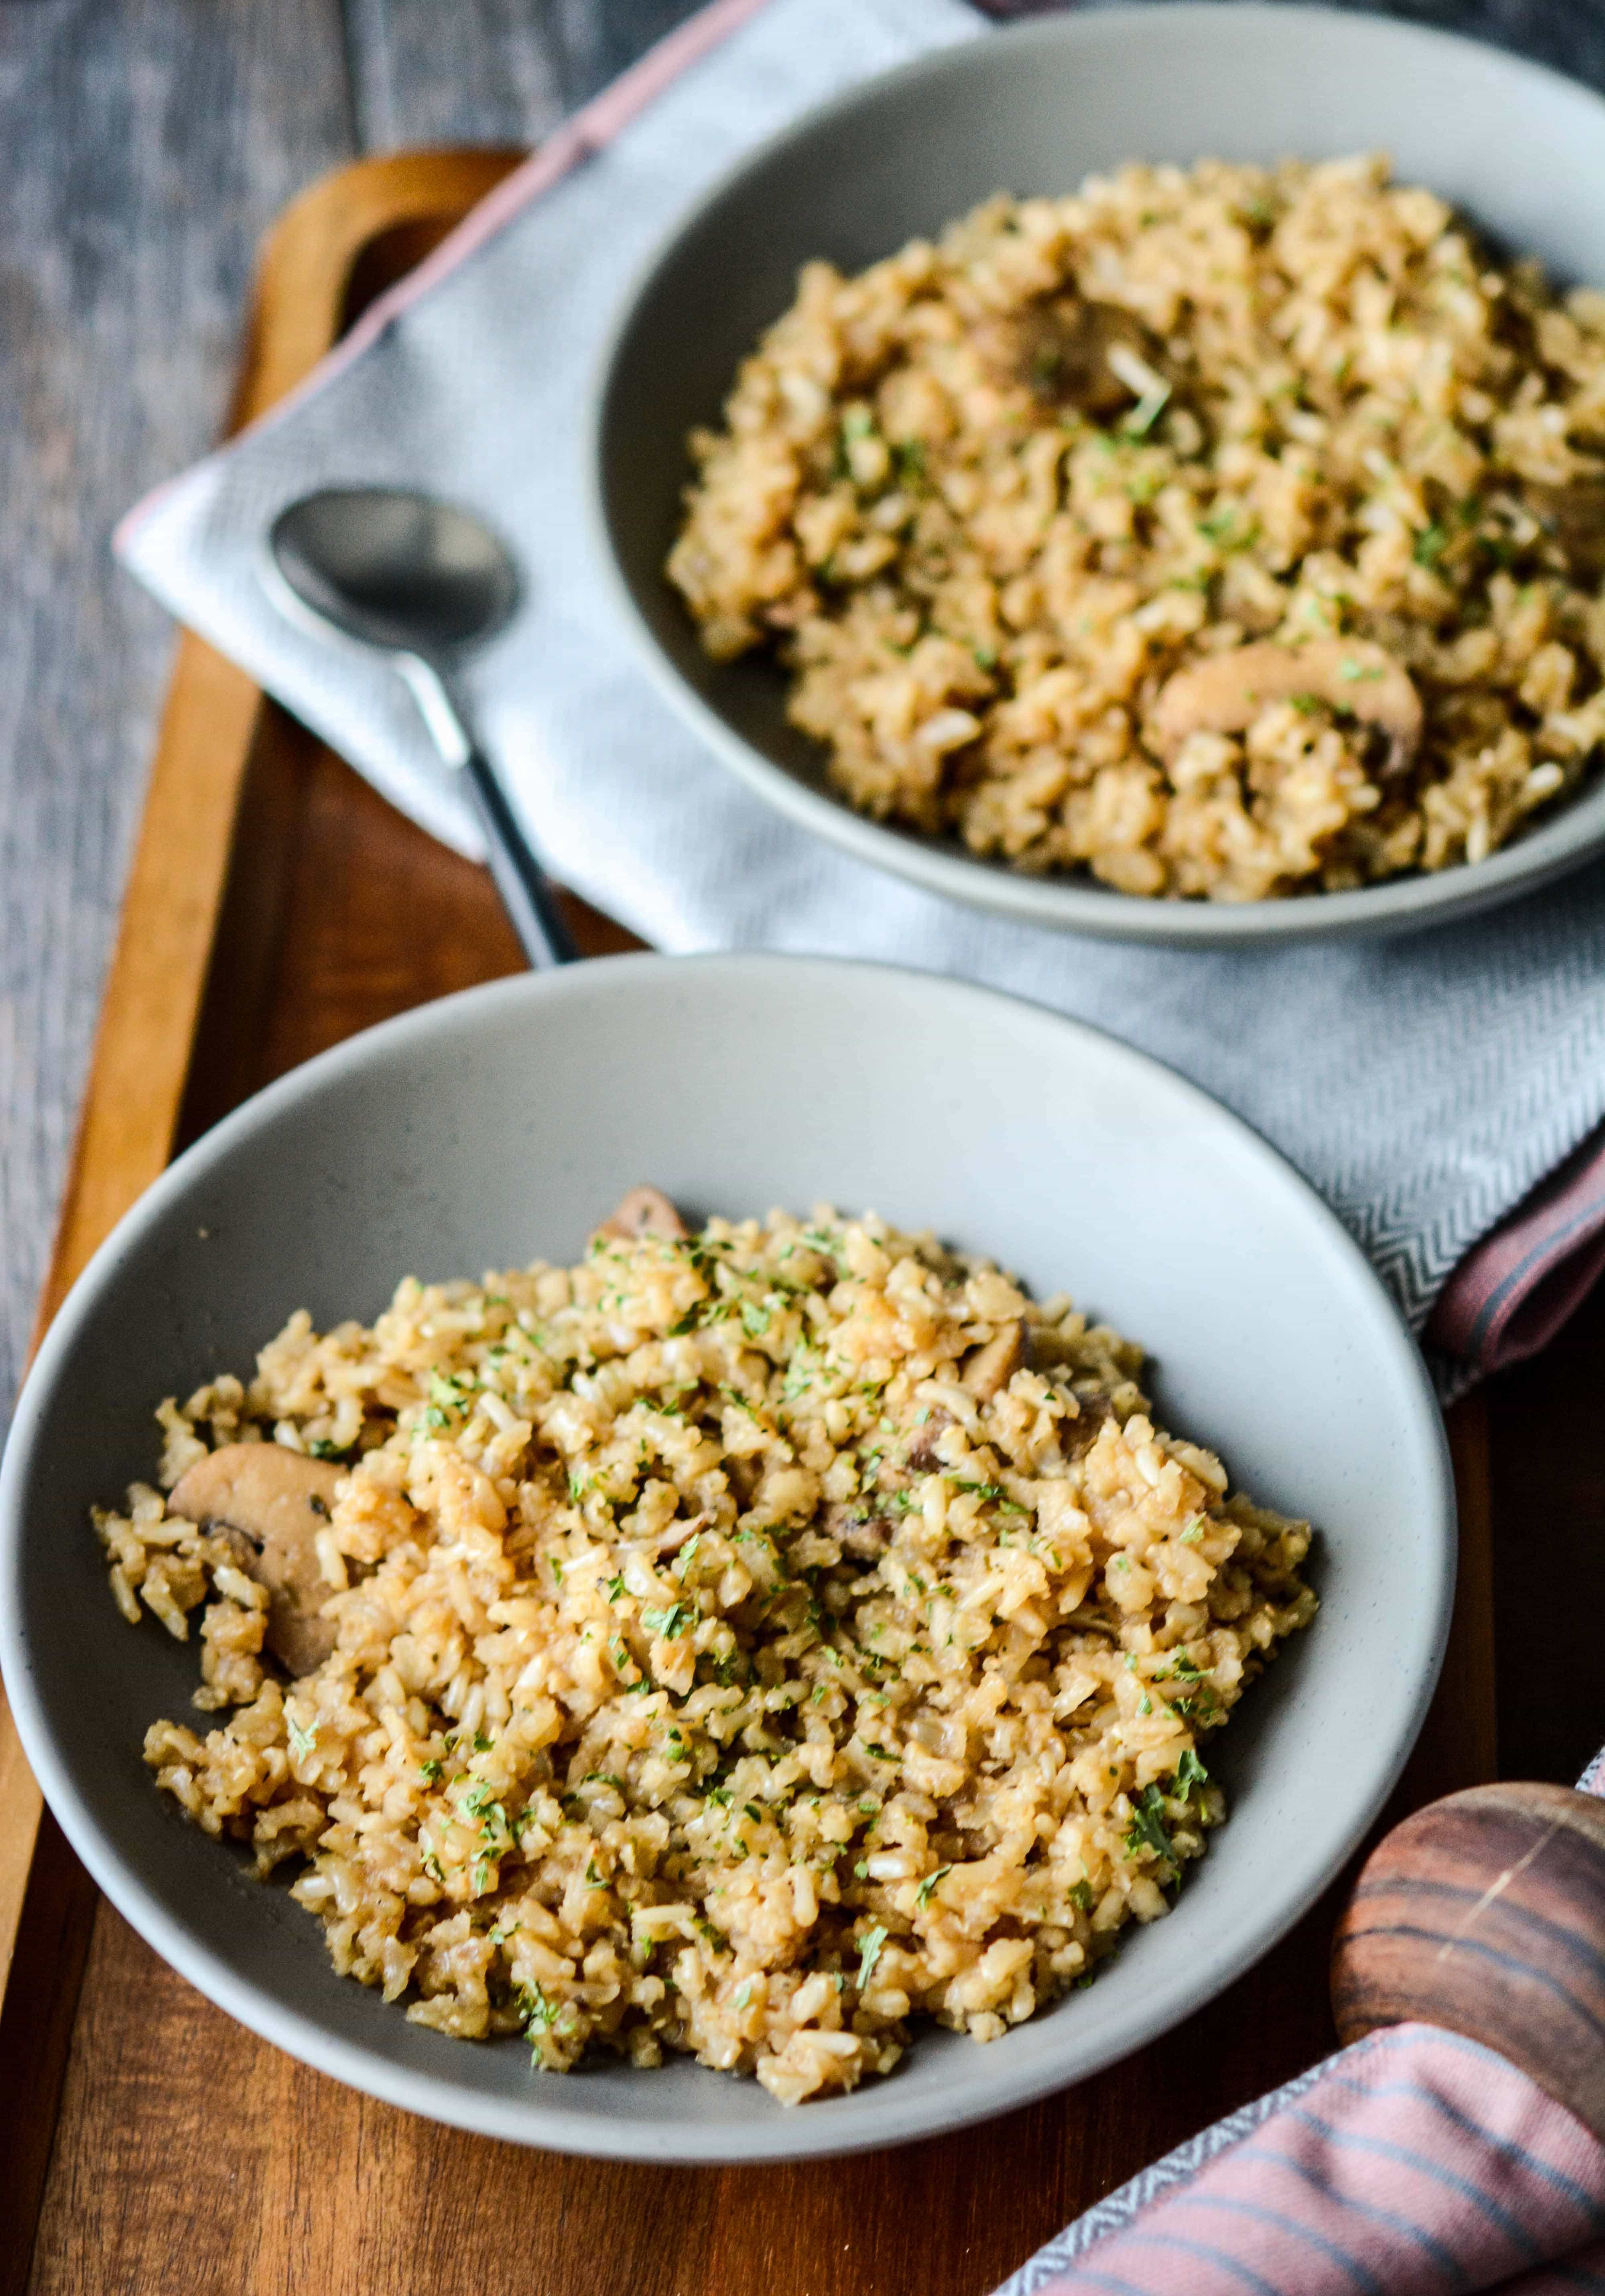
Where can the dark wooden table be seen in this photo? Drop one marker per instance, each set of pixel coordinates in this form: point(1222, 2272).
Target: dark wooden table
point(145, 145)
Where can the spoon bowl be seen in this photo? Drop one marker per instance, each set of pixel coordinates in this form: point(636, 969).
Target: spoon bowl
point(396, 570)
point(425, 583)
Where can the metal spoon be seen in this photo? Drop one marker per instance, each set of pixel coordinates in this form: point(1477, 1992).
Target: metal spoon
point(425, 583)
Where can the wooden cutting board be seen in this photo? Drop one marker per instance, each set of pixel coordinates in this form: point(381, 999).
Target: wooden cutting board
point(147, 2144)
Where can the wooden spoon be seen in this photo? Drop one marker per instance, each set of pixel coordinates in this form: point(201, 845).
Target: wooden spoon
point(1485, 1914)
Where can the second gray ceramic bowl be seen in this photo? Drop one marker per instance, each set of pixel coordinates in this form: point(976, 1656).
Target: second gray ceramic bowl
point(1518, 148)
point(496, 1126)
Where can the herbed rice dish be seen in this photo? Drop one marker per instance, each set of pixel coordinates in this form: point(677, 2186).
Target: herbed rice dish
point(744, 1643)
point(1229, 532)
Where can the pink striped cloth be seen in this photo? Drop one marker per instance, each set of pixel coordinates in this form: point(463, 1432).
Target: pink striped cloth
point(1509, 1297)
point(1414, 2164)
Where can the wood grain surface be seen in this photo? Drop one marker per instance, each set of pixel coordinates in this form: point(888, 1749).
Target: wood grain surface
point(356, 916)
point(146, 146)
point(1485, 1914)
point(147, 140)
point(203, 903)
point(335, 912)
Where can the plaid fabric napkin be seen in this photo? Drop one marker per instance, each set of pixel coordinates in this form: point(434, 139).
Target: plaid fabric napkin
point(1427, 1086)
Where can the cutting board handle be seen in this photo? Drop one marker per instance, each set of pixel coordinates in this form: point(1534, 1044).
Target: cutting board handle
point(1485, 1914)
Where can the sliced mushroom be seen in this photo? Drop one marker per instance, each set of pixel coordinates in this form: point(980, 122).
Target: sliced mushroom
point(1060, 351)
point(859, 1533)
point(1574, 516)
point(644, 1211)
point(275, 1502)
point(1082, 1432)
point(924, 1455)
point(992, 1366)
point(1226, 692)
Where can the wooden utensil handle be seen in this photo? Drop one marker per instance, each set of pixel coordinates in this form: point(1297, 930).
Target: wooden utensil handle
point(1485, 1914)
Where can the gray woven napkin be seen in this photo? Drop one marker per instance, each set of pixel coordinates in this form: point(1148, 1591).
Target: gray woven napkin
point(1423, 1084)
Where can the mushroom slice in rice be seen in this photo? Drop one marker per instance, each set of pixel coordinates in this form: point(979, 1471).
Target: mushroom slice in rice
point(1060, 351)
point(924, 1455)
point(1574, 515)
point(275, 1502)
point(643, 1211)
point(1226, 692)
point(1083, 1433)
point(857, 1528)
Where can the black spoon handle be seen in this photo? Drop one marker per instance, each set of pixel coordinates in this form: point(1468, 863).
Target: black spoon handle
point(525, 891)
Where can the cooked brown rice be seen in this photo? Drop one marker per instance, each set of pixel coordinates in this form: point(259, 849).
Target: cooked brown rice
point(988, 496)
point(747, 1644)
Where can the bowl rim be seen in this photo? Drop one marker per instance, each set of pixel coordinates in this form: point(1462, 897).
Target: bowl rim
point(1567, 841)
point(880, 2117)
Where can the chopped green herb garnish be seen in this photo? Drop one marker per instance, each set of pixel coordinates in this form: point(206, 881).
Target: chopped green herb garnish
point(539, 2013)
point(1147, 412)
point(1147, 1828)
point(910, 455)
point(670, 1624)
point(869, 1947)
point(1190, 1772)
point(993, 1492)
point(923, 1893)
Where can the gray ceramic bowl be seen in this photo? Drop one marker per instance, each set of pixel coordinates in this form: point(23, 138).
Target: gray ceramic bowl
point(494, 1126)
point(1032, 109)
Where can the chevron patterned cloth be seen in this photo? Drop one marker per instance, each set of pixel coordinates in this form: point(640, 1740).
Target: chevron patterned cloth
point(1425, 1086)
